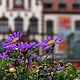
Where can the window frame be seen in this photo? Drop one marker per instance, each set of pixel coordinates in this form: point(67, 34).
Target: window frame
point(21, 6)
point(47, 4)
point(19, 22)
point(77, 5)
point(7, 3)
point(76, 25)
point(0, 2)
point(2, 25)
point(29, 3)
point(33, 19)
point(48, 23)
point(64, 4)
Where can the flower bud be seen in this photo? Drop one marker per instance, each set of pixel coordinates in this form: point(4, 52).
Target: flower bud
point(12, 70)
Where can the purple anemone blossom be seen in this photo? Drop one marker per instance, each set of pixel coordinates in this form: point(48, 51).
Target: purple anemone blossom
point(10, 46)
point(26, 46)
point(14, 38)
point(11, 41)
point(4, 56)
point(50, 43)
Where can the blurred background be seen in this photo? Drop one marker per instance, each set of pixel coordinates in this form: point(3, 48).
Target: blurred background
point(40, 18)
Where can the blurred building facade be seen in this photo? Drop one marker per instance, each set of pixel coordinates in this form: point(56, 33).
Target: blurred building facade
point(65, 17)
point(18, 15)
point(40, 18)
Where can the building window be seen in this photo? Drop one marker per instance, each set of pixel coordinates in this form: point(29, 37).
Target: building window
point(0, 2)
point(7, 5)
point(18, 24)
point(3, 25)
point(33, 25)
point(62, 5)
point(48, 5)
point(49, 27)
point(76, 5)
point(77, 25)
point(18, 3)
point(29, 3)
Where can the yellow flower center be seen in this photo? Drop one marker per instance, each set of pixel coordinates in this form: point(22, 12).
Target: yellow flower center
point(14, 40)
point(51, 42)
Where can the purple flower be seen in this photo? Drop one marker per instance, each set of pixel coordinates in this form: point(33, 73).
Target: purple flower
point(11, 41)
point(23, 46)
point(0, 55)
point(43, 72)
point(30, 61)
point(26, 46)
point(38, 58)
point(10, 45)
point(14, 38)
point(54, 69)
point(3, 56)
point(8, 52)
point(32, 45)
point(50, 43)
point(61, 67)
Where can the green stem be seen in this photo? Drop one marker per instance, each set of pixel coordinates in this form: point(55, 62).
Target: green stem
point(52, 52)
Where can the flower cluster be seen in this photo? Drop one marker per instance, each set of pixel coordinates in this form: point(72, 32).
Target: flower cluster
point(21, 61)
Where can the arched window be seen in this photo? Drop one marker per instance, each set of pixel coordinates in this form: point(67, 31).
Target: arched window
point(18, 24)
point(3, 25)
point(33, 25)
point(49, 27)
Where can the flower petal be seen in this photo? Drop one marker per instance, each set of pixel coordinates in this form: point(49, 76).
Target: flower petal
point(49, 38)
point(58, 42)
point(11, 36)
point(17, 34)
point(45, 40)
point(41, 44)
point(62, 39)
point(57, 38)
point(21, 33)
point(46, 48)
